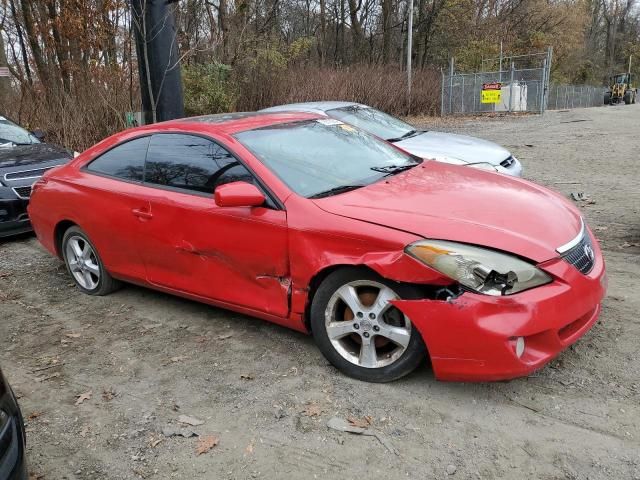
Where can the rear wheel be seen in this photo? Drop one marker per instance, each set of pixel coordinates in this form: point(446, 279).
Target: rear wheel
point(627, 98)
point(84, 264)
point(360, 332)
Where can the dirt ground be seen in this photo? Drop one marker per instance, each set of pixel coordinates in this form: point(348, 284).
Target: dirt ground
point(267, 393)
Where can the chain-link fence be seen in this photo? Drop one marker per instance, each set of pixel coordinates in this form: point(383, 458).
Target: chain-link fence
point(523, 87)
point(562, 97)
point(520, 90)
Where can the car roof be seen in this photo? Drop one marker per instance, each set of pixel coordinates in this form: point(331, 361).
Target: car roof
point(230, 123)
point(318, 107)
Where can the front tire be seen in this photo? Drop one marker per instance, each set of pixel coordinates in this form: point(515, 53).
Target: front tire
point(360, 332)
point(84, 264)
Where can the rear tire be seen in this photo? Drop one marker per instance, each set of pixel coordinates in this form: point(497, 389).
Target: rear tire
point(374, 343)
point(84, 264)
point(627, 98)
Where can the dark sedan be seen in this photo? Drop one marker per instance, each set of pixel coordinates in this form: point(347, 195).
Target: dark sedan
point(23, 159)
point(12, 437)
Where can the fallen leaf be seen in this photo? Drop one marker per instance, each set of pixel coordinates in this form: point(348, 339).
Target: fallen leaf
point(360, 422)
point(83, 396)
point(109, 394)
point(247, 376)
point(34, 415)
point(154, 442)
point(201, 339)
point(186, 419)
point(249, 449)
point(312, 410)
point(206, 443)
point(224, 337)
point(72, 335)
point(178, 359)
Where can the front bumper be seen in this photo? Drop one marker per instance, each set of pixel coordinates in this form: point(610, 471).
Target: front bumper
point(13, 213)
point(515, 169)
point(472, 337)
point(12, 445)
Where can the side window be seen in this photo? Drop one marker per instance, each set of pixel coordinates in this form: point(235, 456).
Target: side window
point(192, 163)
point(125, 161)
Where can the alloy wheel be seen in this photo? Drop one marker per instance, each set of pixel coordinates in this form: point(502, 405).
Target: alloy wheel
point(83, 262)
point(363, 327)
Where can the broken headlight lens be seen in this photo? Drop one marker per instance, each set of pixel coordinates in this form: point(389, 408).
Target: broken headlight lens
point(479, 269)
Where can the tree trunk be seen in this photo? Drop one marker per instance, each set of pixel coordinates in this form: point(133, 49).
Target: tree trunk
point(23, 47)
point(322, 44)
point(356, 29)
point(386, 30)
point(5, 82)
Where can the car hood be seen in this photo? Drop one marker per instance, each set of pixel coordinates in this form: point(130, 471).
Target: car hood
point(453, 148)
point(32, 154)
point(449, 202)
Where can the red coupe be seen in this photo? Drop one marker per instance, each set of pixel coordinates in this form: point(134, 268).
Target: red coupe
point(385, 258)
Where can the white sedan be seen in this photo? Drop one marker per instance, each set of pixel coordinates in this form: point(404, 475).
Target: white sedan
point(440, 146)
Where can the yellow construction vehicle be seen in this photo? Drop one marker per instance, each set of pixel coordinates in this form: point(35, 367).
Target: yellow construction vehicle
point(620, 89)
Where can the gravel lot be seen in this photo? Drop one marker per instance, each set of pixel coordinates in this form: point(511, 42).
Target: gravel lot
point(144, 358)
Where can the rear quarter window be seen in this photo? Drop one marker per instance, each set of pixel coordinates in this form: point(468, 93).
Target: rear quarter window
point(125, 161)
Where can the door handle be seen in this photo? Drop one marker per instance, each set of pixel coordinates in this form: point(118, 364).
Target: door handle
point(142, 214)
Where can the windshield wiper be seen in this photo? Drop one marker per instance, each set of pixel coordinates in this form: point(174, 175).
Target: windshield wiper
point(393, 169)
point(410, 133)
point(335, 191)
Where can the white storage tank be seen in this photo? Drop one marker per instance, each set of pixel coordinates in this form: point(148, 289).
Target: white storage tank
point(513, 95)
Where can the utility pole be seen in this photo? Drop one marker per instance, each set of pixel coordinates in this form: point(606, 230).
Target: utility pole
point(409, 48)
point(158, 62)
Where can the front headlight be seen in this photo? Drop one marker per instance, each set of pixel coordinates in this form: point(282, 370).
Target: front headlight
point(479, 269)
point(483, 166)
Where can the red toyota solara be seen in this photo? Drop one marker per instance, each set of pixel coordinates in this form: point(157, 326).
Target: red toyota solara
point(385, 258)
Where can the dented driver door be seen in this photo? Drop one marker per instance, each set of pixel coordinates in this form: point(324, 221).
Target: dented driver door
point(236, 255)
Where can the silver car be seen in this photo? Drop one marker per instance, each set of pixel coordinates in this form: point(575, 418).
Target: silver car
point(443, 147)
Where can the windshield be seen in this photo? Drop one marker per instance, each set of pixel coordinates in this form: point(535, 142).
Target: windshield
point(374, 121)
point(10, 133)
point(318, 158)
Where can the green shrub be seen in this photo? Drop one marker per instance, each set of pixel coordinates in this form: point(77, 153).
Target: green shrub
point(208, 89)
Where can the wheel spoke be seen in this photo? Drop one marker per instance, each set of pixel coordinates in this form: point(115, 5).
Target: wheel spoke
point(86, 251)
point(89, 283)
point(348, 295)
point(75, 246)
point(385, 295)
point(399, 336)
point(336, 330)
point(74, 266)
point(368, 355)
point(93, 268)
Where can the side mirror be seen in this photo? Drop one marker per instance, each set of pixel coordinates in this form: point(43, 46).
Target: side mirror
point(238, 194)
point(39, 134)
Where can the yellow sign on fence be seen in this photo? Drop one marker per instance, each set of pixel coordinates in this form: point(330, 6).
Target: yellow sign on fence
point(491, 92)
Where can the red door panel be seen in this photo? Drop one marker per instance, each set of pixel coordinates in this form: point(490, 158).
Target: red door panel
point(111, 224)
point(237, 255)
